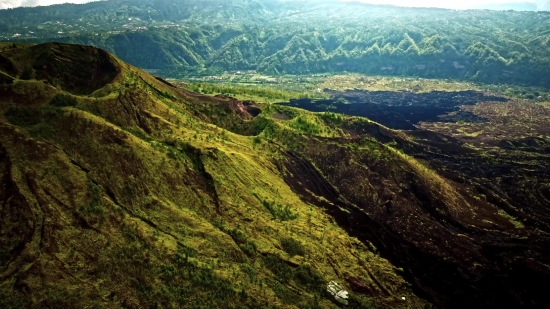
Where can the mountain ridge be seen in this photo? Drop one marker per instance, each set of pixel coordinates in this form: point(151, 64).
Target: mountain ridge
point(133, 205)
point(143, 194)
point(300, 38)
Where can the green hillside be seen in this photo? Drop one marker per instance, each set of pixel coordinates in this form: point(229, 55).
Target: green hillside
point(179, 38)
point(130, 192)
point(129, 195)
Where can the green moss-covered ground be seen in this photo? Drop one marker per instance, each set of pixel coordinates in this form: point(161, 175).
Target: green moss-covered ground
point(131, 196)
point(132, 193)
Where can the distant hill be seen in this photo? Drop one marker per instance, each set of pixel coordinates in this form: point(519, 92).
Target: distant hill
point(519, 6)
point(300, 37)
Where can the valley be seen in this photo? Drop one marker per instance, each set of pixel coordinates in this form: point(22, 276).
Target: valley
point(401, 110)
point(209, 37)
point(493, 148)
point(273, 154)
point(203, 190)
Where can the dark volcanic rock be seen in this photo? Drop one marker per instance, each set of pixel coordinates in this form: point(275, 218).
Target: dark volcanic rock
point(402, 109)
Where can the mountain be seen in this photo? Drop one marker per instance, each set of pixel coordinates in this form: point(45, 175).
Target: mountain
point(119, 189)
point(183, 37)
point(519, 6)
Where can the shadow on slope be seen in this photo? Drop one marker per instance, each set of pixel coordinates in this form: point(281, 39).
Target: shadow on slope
point(456, 248)
point(77, 69)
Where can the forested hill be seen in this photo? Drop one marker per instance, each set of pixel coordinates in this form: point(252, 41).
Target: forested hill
point(312, 36)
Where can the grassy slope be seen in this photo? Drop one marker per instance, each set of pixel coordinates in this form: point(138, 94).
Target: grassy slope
point(139, 194)
point(134, 198)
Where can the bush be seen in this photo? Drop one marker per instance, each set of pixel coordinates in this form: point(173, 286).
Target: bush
point(304, 125)
point(11, 299)
point(63, 100)
point(23, 116)
point(139, 133)
point(278, 267)
point(184, 278)
point(309, 277)
point(256, 140)
point(238, 236)
point(292, 246)
point(94, 206)
point(5, 80)
point(249, 248)
point(279, 211)
point(286, 295)
point(361, 302)
point(249, 271)
point(27, 74)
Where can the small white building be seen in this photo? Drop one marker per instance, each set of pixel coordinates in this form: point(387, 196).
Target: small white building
point(338, 292)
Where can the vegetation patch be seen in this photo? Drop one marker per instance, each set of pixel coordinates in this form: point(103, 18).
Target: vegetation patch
point(293, 246)
point(185, 278)
point(11, 299)
point(282, 271)
point(63, 100)
point(278, 211)
point(23, 116)
point(286, 295)
point(309, 277)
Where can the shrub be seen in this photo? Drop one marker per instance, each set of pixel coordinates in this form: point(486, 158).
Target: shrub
point(361, 302)
point(23, 116)
point(27, 74)
point(11, 299)
point(249, 248)
point(184, 278)
point(94, 206)
point(63, 100)
point(292, 246)
point(279, 211)
point(249, 271)
point(286, 295)
point(256, 140)
point(139, 133)
point(238, 236)
point(278, 267)
point(5, 80)
point(309, 277)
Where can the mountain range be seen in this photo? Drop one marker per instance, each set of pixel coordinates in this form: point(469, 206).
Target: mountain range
point(187, 37)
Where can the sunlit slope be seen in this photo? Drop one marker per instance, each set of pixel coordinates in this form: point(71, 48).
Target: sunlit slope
point(128, 196)
point(138, 194)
